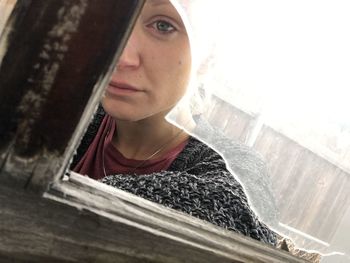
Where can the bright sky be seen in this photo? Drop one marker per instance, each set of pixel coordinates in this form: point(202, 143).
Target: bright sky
point(295, 54)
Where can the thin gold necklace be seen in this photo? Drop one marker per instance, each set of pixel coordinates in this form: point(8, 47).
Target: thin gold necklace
point(161, 148)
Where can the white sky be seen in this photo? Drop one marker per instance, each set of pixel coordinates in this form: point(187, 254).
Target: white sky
point(295, 54)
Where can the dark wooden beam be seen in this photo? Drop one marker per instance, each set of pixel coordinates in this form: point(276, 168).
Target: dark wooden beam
point(81, 220)
point(59, 53)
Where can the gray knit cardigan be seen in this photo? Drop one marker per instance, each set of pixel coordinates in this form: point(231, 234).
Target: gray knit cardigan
point(197, 183)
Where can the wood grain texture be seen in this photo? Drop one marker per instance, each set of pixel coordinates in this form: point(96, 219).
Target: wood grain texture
point(81, 220)
point(313, 188)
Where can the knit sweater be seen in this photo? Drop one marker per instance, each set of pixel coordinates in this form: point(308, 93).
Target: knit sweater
point(197, 183)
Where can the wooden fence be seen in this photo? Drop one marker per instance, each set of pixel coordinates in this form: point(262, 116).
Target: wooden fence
point(311, 190)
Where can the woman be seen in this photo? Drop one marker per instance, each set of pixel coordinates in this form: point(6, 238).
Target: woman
point(131, 146)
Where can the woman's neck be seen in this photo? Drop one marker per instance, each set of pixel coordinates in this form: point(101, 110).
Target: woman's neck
point(146, 139)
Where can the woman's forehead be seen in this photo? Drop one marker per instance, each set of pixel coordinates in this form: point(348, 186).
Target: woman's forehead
point(158, 2)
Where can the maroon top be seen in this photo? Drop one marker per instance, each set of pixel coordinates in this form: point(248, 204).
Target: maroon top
point(101, 150)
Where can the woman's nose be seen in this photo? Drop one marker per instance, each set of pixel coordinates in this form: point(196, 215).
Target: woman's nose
point(130, 57)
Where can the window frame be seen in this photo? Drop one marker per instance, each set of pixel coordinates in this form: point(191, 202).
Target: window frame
point(51, 214)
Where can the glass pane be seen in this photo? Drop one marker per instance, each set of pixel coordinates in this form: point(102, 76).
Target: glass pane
point(275, 77)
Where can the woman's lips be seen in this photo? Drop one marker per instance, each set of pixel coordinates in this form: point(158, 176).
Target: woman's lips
point(117, 88)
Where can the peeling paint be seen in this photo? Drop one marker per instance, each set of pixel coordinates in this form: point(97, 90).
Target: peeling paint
point(46, 67)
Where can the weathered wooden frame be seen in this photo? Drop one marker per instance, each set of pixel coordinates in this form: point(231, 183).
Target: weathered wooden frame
point(48, 216)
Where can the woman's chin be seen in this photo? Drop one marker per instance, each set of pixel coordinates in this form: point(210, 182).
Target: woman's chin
point(123, 111)
point(119, 112)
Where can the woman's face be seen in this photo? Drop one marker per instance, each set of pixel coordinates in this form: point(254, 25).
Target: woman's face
point(154, 69)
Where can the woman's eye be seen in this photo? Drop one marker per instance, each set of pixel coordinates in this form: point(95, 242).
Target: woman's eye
point(163, 27)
